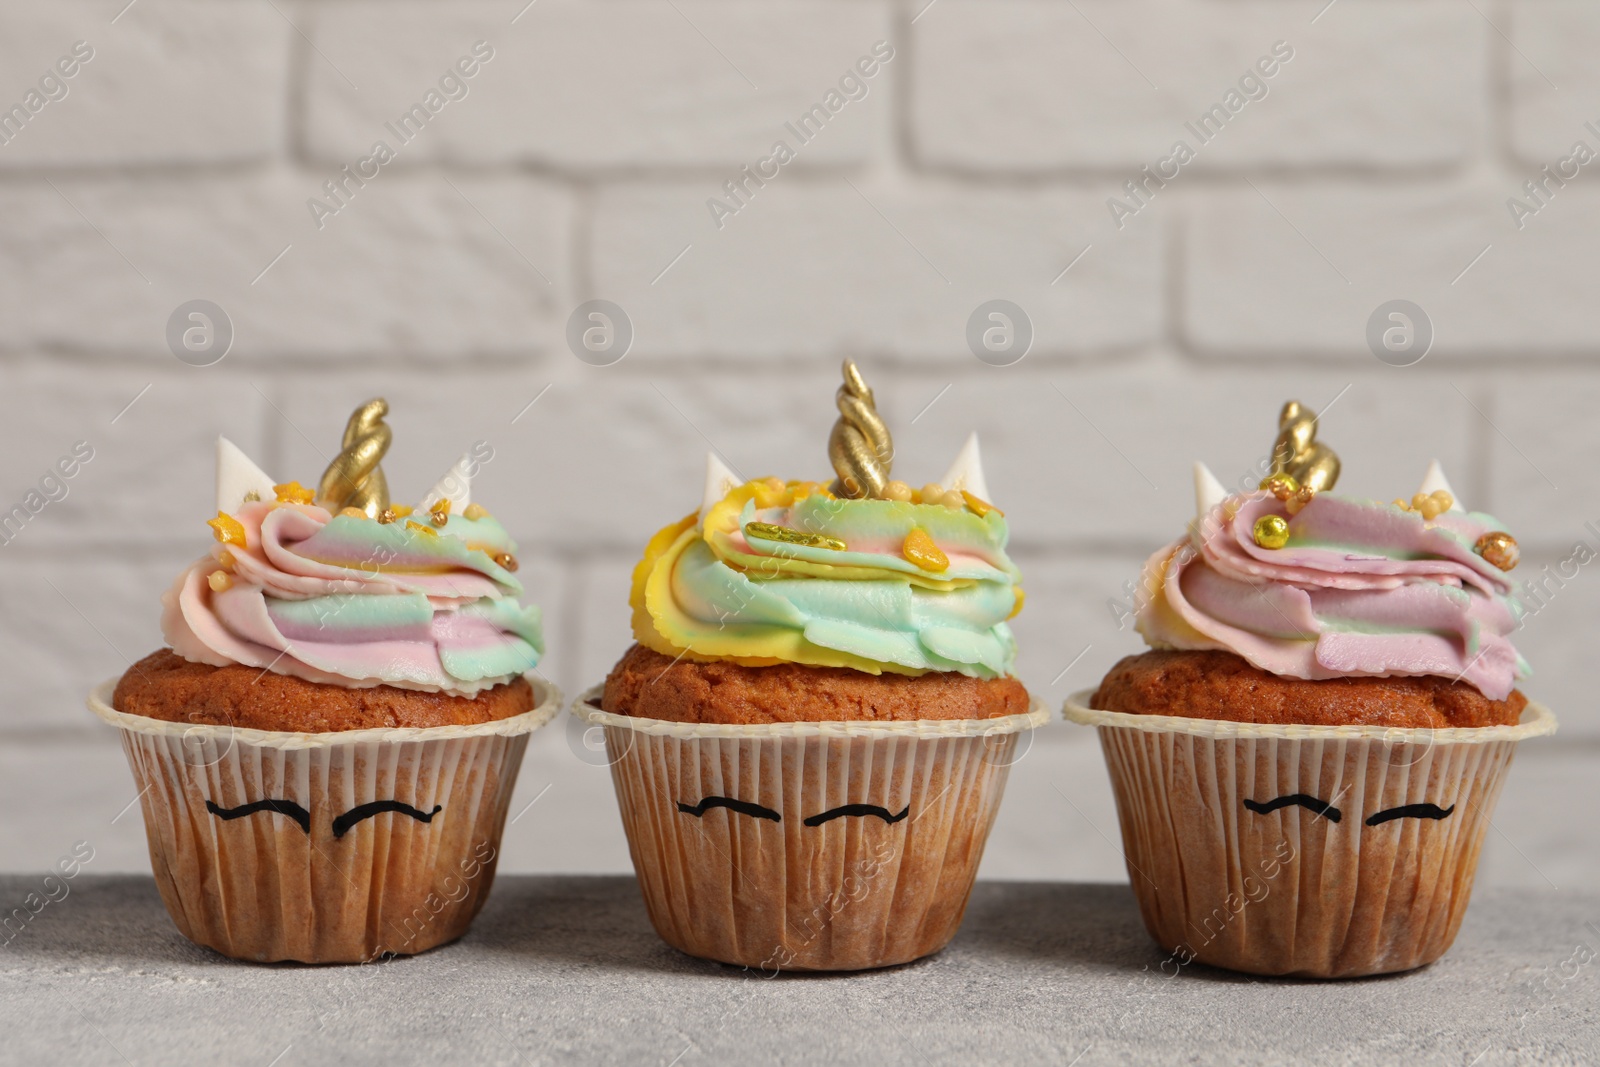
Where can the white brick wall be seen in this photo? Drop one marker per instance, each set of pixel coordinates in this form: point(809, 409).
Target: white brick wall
point(977, 166)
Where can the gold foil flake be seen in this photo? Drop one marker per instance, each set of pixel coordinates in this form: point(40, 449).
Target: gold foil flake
point(354, 478)
point(439, 511)
point(979, 505)
point(766, 531)
point(386, 516)
point(219, 581)
point(1500, 549)
point(475, 512)
point(1271, 531)
point(1299, 499)
point(292, 493)
point(920, 549)
point(859, 446)
point(229, 530)
point(1282, 486)
point(417, 526)
point(506, 560)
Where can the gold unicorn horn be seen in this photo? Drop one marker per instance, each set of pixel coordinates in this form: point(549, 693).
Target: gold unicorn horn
point(354, 479)
point(859, 446)
point(1299, 454)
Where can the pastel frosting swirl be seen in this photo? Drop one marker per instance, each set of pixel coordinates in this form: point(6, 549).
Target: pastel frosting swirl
point(1362, 589)
point(706, 589)
point(350, 601)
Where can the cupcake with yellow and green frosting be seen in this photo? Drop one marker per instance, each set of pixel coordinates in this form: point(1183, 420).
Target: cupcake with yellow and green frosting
point(811, 736)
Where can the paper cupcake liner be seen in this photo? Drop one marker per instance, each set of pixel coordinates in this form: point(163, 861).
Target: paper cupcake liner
point(782, 889)
point(1290, 890)
point(305, 884)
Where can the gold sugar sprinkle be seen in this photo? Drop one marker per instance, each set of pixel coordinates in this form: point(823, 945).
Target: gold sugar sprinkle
point(475, 512)
point(439, 511)
point(386, 516)
point(1016, 609)
point(417, 526)
point(980, 505)
point(229, 530)
point(293, 493)
point(219, 581)
point(506, 560)
point(920, 549)
point(766, 531)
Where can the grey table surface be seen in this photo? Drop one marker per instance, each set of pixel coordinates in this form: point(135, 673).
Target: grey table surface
point(566, 969)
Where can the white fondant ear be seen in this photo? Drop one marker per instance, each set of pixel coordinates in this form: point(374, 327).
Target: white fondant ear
point(455, 486)
point(1208, 492)
point(238, 477)
point(720, 481)
point(967, 471)
point(1434, 480)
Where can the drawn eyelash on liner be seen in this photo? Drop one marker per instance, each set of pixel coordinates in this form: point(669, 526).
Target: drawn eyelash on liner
point(1305, 800)
point(280, 807)
point(343, 823)
point(1411, 811)
point(743, 807)
point(857, 809)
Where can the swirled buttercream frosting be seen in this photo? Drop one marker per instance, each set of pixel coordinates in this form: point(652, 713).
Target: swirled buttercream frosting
point(349, 600)
point(1360, 589)
point(779, 572)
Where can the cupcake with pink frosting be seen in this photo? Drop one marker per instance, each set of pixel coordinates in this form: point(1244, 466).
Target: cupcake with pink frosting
point(326, 751)
point(1306, 760)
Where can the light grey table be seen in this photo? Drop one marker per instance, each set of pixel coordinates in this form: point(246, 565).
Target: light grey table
point(567, 970)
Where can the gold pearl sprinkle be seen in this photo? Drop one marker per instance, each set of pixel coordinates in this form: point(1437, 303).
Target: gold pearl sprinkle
point(386, 516)
point(475, 512)
point(439, 511)
point(766, 531)
point(1500, 549)
point(898, 491)
point(1271, 531)
point(506, 560)
point(219, 581)
point(920, 549)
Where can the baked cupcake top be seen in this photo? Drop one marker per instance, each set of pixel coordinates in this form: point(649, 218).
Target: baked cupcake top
point(1307, 584)
point(865, 573)
point(341, 587)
